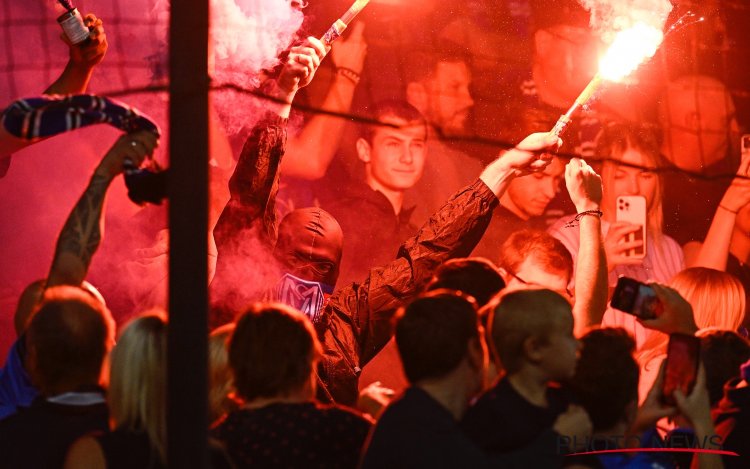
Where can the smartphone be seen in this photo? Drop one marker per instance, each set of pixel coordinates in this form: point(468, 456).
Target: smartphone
point(636, 298)
point(632, 209)
point(681, 370)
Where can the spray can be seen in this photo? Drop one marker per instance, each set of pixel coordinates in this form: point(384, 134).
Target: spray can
point(72, 24)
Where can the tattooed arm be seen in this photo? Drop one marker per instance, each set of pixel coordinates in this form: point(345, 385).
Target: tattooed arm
point(82, 233)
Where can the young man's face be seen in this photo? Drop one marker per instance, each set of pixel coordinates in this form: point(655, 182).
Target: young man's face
point(394, 160)
point(531, 194)
point(449, 99)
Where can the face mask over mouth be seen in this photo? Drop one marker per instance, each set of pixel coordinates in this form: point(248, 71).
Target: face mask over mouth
point(309, 248)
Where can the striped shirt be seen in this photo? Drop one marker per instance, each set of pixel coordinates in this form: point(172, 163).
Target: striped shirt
point(664, 259)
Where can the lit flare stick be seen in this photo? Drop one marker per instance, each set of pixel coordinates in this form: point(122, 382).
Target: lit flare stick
point(629, 49)
point(338, 27)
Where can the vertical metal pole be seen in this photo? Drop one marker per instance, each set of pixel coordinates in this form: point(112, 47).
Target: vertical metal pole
point(187, 416)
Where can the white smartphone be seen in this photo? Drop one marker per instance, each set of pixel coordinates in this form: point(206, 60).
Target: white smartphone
point(632, 209)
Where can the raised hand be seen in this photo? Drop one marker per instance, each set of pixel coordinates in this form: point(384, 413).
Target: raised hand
point(299, 69)
point(583, 184)
point(132, 148)
point(90, 52)
point(349, 51)
point(532, 155)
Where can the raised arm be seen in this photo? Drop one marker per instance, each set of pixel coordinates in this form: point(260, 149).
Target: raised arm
point(453, 231)
point(714, 251)
point(309, 153)
point(255, 181)
point(83, 58)
point(585, 189)
point(82, 232)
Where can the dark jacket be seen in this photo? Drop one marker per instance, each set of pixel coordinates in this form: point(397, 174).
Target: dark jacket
point(373, 232)
point(355, 323)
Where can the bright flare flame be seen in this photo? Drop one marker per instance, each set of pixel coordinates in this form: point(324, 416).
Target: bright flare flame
point(630, 47)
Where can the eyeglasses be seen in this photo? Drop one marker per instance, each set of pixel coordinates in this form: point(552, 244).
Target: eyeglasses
point(566, 293)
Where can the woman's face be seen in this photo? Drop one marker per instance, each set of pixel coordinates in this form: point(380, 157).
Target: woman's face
point(627, 180)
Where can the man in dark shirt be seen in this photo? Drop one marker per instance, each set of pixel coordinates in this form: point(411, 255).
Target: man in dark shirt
point(444, 357)
point(67, 339)
point(301, 256)
point(522, 206)
point(371, 212)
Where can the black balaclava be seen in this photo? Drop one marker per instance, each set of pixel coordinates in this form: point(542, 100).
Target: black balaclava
point(309, 249)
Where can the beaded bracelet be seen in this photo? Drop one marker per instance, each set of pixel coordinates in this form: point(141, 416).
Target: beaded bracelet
point(575, 221)
point(349, 74)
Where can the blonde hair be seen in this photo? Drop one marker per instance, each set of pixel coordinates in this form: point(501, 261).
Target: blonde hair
point(717, 298)
point(220, 380)
point(718, 301)
point(612, 142)
point(137, 389)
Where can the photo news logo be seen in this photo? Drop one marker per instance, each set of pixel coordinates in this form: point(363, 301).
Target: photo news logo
point(608, 444)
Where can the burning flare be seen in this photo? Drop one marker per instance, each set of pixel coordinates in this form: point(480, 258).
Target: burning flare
point(629, 49)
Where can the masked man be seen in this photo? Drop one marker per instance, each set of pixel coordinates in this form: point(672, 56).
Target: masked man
point(298, 261)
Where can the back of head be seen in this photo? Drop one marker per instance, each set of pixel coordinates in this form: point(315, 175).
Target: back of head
point(606, 378)
point(717, 298)
point(272, 352)
point(722, 353)
point(474, 276)
point(521, 315)
point(68, 338)
point(137, 387)
point(546, 250)
point(221, 382)
point(433, 334)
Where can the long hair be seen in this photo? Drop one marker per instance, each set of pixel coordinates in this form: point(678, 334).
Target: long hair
point(613, 141)
point(137, 389)
point(718, 301)
point(221, 381)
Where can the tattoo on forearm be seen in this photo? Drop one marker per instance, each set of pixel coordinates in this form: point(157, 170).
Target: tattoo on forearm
point(81, 234)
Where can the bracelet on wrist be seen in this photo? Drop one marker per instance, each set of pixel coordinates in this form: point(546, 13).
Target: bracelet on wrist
point(577, 220)
point(728, 210)
point(349, 74)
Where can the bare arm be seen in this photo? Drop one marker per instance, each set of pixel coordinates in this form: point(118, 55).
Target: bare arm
point(585, 189)
point(83, 58)
point(309, 153)
point(714, 251)
point(82, 232)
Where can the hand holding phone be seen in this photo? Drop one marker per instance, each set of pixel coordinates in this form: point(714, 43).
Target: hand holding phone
point(681, 368)
point(636, 298)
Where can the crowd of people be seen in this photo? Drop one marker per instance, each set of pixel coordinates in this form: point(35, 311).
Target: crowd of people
point(425, 310)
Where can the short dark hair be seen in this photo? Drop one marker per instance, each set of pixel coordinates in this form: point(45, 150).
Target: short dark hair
point(397, 108)
point(544, 248)
point(420, 64)
point(433, 333)
point(68, 335)
point(272, 351)
point(475, 276)
point(722, 353)
point(606, 378)
point(518, 315)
